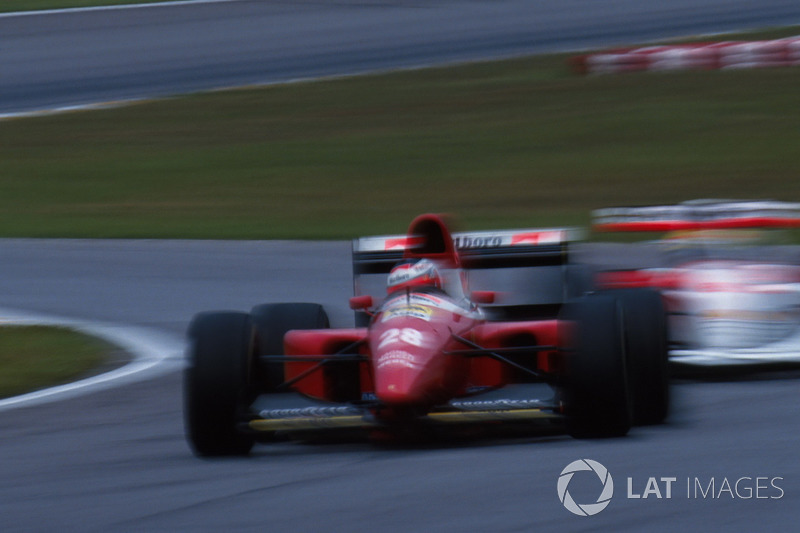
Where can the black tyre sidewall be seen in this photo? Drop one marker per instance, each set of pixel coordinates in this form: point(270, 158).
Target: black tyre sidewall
point(217, 382)
point(646, 338)
point(596, 384)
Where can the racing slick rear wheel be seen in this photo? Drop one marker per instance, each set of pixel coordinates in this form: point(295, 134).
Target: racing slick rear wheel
point(596, 390)
point(646, 343)
point(272, 321)
point(218, 382)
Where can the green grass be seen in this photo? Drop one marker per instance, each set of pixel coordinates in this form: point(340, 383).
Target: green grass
point(9, 6)
point(34, 357)
point(509, 143)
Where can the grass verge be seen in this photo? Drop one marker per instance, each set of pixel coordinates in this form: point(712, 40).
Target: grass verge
point(36, 357)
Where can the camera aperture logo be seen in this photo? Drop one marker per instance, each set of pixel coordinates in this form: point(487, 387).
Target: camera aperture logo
point(585, 509)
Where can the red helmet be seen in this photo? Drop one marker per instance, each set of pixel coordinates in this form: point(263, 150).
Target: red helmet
point(413, 274)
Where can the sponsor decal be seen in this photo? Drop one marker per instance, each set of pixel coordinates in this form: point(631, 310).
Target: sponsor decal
point(397, 358)
point(424, 304)
point(438, 303)
point(538, 237)
point(413, 311)
point(470, 241)
point(424, 271)
point(402, 243)
point(314, 411)
point(426, 299)
point(464, 242)
point(496, 405)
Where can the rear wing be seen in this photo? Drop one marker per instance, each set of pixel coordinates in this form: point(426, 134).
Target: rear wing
point(476, 250)
point(699, 215)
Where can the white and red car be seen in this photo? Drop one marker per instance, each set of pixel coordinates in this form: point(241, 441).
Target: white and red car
point(732, 297)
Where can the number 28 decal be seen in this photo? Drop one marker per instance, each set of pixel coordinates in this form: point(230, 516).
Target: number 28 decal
point(404, 335)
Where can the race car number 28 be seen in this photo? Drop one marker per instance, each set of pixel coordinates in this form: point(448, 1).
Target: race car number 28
point(404, 335)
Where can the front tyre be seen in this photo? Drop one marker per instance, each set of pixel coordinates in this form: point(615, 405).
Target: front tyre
point(646, 324)
point(596, 391)
point(217, 383)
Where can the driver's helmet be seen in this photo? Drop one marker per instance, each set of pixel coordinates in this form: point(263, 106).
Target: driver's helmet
point(413, 274)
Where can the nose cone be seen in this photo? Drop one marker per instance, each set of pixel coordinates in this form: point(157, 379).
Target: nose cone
point(399, 379)
point(411, 365)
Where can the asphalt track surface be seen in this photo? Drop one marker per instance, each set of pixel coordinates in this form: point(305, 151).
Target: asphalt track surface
point(68, 59)
point(115, 459)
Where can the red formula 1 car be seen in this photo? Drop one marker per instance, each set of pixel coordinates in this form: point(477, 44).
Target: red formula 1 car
point(427, 353)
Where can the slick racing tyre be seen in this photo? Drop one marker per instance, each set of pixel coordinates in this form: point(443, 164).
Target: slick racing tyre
point(596, 386)
point(218, 383)
point(272, 321)
point(646, 348)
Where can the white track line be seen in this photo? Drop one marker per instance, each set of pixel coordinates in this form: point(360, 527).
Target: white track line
point(154, 353)
point(111, 8)
point(94, 106)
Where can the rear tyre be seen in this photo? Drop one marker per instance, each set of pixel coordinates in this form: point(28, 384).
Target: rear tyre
point(596, 386)
point(578, 280)
point(646, 338)
point(272, 321)
point(218, 383)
